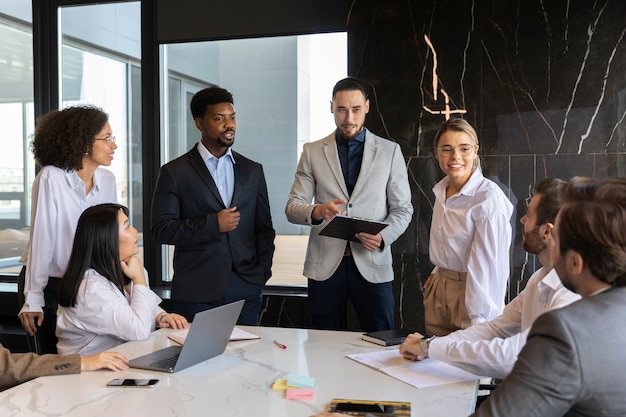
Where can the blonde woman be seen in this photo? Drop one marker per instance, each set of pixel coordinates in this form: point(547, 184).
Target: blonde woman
point(470, 237)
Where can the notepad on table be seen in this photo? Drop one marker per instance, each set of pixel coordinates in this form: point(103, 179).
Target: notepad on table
point(237, 334)
point(387, 337)
point(420, 374)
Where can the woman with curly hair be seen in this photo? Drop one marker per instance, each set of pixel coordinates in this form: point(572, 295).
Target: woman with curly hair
point(71, 145)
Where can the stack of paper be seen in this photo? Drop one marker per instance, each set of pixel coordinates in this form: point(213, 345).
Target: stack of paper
point(421, 374)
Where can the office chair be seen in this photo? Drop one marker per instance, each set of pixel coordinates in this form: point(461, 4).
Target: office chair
point(44, 340)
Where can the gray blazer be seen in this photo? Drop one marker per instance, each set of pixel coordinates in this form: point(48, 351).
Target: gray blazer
point(573, 363)
point(381, 193)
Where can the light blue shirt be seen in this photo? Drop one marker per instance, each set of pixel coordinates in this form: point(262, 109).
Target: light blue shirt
point(222, 170)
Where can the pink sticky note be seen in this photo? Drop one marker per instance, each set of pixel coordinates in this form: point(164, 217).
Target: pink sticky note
point(299, 393)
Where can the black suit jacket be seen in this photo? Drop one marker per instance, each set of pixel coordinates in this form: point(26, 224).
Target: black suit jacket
point(184, 213)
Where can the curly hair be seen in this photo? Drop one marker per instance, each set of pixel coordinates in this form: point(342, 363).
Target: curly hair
point(63, 137)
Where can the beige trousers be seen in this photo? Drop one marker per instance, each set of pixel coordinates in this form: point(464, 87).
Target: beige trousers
point(444, 302)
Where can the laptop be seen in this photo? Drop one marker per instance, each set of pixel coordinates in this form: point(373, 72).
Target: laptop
point(207, 338)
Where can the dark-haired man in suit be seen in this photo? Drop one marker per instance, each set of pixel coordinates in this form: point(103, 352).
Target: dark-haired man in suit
point(572, 363)
point(212, 204)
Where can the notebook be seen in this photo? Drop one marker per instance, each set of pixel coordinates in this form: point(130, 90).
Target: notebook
point(207, 338)
point(238, 334)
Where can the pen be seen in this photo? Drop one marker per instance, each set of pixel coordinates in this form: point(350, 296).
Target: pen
point(280, 345)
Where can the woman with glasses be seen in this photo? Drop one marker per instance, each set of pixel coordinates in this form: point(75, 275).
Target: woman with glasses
point(104, 298)
point(71, 145)
point(470, 237)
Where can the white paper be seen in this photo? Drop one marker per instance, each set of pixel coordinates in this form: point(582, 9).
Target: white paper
point(237, 334)
point(420, 374)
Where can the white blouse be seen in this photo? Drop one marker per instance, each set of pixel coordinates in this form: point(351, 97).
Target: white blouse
point(471, 232)
point(103, 317)
point(58, 200)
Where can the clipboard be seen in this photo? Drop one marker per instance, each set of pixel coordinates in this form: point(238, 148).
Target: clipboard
point(345, 227)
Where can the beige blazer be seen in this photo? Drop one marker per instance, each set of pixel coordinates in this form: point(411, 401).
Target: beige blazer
point(381, 193)
point(16, 368)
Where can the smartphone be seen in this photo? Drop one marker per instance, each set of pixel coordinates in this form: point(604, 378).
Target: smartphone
point(378, 409)
point(125, 382)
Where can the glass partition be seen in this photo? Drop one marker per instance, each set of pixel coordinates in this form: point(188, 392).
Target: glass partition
point(282, 88)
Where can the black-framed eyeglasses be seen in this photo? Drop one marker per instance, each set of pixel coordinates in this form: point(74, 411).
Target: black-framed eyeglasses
point(110, 140)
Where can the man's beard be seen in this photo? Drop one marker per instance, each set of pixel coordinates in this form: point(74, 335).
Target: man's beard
point(559, 266)
point(533, 243)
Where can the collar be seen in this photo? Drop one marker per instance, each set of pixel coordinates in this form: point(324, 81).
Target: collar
point(206, 155)
point(552, 279)
point(470, 187)
point(77, 183)
point(599, 291)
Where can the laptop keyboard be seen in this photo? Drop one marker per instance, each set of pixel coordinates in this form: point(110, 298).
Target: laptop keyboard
point(165, 363)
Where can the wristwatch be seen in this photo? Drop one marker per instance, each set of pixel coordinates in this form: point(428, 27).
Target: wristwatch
point(425, 343)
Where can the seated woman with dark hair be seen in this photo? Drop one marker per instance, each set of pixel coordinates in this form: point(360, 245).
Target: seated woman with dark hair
point(104, 298)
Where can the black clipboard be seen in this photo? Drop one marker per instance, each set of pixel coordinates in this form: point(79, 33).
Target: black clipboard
point(345, 227)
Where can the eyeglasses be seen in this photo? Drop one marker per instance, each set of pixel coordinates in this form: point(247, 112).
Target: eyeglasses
point(464, 150)
point(110, 140)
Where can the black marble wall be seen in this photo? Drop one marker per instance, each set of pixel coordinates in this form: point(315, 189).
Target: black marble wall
point(543, 82)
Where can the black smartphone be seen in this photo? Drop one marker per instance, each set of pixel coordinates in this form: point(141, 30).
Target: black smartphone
point(126, 382)
point(378, 409)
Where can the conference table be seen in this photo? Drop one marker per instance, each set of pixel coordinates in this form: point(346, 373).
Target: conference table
point(238, 382)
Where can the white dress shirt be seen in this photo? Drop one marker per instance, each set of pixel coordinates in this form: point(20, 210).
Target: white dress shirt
point(491, 348)
point(58, 200)
point(471, 232)
point(103, 317)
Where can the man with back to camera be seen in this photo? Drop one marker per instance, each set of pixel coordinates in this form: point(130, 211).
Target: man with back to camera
point(212, 204)
point(572, 363)
point(491, 348)
point(353, 172)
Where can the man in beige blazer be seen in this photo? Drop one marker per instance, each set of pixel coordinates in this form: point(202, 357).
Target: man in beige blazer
point(356, 173)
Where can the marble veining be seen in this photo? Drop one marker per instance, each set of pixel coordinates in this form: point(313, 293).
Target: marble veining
point(542, 82)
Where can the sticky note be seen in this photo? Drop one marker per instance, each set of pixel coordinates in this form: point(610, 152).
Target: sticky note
point(299, 393)
point(300, 381)
point(280, 385)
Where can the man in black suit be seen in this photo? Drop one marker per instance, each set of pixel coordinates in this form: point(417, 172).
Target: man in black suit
point(212, 204)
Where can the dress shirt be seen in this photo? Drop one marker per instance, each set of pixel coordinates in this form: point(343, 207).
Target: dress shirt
point(58, 200)
point(491, 348)
point(103, 317)
point(471, 232)
point(222, 171)
point(350, 156)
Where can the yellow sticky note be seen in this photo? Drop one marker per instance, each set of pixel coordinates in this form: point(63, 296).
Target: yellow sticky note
point(280, 385)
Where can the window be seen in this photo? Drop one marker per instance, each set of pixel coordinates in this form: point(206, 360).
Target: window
point(17, 169)
point(282, 89)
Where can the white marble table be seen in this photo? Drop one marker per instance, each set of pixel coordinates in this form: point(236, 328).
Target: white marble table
point(237, 383)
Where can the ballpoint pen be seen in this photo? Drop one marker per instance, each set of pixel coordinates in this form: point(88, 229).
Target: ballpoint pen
point(280, 345)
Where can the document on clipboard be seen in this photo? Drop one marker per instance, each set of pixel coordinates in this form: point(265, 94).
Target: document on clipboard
point(345, 227)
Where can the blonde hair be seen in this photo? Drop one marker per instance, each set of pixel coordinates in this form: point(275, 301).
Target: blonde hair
point(458, 125)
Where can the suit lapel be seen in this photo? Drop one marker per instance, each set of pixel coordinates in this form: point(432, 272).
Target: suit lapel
point(332, 157)
point(200, 167)
point(238, 177)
